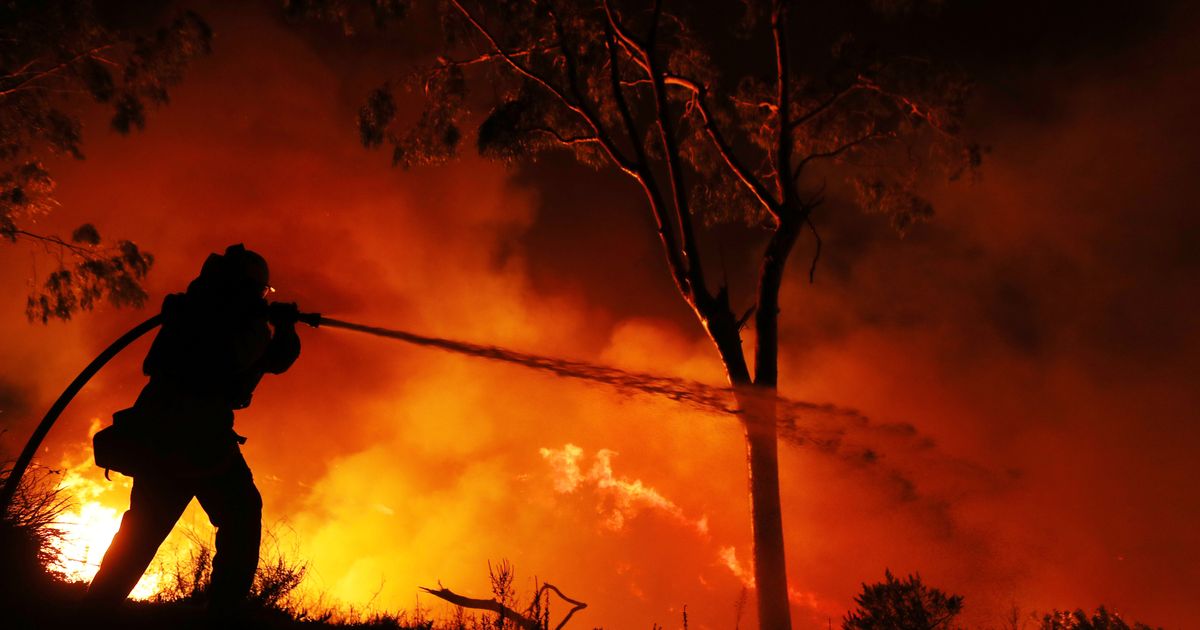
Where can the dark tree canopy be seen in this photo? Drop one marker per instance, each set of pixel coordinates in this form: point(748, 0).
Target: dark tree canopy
point(56, 55)
point(351, 15)
point(577, 76)
point(902, 605)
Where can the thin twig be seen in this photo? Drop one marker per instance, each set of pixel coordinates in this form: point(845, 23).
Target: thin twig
point(20, 86)
point(579, 109)
point(78, 250)
point(812, 269)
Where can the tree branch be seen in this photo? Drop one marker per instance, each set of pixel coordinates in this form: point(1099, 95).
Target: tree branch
point(24, 83)
point(490, 605)
point(741, 322)
point(783, 150)
point(745, 175)
point(766, 319)
point(561, 139)
point(490, 56)
point(572, 69)
point(652, 39)
point(771, 107)
point(637, 51)
point(812, 268)
point(78, 250)
point(639, 54)
point(819, 108)
point(691, 258)
point(914, 108)
point(874, 134)
point(580, 109)
point(666, 231)
point(505, 612)
point(713, 311)
point(577, 605)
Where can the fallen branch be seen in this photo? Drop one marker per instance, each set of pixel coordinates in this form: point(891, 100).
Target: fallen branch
point(505, 612)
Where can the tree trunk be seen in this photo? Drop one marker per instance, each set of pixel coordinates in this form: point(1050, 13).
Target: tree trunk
point(758, 405)
point(770, 567)
point(762, 446)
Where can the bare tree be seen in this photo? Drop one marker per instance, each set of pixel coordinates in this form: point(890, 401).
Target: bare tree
point(55, 54)
point(756, 123)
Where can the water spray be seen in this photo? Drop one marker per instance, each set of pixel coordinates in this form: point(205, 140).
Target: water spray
point(698, 395)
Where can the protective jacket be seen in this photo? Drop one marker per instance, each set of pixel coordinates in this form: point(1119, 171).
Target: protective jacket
point(204, 363)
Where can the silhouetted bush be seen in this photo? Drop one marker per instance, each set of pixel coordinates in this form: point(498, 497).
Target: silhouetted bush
point(1102, 619)
point(902, 605)
point(277, 578)
point(28, 528)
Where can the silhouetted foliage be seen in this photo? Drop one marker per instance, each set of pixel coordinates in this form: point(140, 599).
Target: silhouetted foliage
point(29, 528)
point(902, 605)
point(350, 15)
point(54, 56)
point(97, 272)
point(883, 116)
point(275, 581)
point(1102, 619)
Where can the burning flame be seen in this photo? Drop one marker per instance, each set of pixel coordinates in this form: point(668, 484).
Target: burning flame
point(625, 497)
point(87, 527)
point(86, 532)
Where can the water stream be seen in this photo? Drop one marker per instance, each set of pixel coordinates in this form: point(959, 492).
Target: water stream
point(821, 425)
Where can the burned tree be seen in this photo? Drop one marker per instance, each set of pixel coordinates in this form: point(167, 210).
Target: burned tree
point(54, 55)
point(828, 102)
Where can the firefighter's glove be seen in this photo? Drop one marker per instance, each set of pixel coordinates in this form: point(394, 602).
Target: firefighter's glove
point(283, 313)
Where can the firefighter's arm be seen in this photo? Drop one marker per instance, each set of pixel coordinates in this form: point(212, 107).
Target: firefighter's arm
point(284, 347)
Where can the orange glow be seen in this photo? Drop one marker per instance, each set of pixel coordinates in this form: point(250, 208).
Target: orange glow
point(394, 467)
point(93, 516)
point(86, 533)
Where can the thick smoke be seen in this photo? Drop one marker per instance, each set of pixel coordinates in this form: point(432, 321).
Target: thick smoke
point(1025, 360)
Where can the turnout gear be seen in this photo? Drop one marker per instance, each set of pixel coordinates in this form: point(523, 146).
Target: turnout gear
point(177, 440)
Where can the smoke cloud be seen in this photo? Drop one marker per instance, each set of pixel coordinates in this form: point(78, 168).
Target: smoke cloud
point(1025, 359)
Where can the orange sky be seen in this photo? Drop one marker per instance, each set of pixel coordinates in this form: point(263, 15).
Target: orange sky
point(1039, 335)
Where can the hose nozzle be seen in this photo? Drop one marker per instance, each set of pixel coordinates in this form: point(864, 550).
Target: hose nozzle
point(312, 319)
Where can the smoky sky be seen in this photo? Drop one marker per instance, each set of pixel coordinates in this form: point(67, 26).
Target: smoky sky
point(1025, 357)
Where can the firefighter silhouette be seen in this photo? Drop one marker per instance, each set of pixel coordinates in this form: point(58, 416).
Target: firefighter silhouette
point(217, 341)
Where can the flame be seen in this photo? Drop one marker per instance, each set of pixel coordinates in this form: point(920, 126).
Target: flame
point(86, 532)
point(742, 572)
point(627, 497)
point(87, 527)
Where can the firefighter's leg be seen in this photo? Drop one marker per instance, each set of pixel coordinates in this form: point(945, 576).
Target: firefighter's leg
point(234, 506)
point(155, 504)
